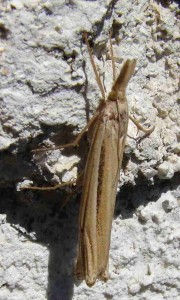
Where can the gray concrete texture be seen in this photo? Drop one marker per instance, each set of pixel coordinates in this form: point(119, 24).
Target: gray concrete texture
point(48, 92)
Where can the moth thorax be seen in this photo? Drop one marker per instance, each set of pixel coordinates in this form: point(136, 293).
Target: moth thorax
point(121, 96)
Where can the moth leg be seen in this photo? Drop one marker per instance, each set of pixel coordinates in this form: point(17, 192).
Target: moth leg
point(75, 143)
point(78, 185)
point(139, 126)
point(112, 57)
point(77, 181)
point(98, 79)
point(49, 188)
point(131, 137)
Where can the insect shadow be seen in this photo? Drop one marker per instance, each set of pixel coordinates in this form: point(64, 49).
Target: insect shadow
point(57, 228)
point(41, 220)
point(38, 216)
point(56, 134)
point(131, 196)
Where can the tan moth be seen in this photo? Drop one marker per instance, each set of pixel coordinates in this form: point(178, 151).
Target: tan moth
point(108, 128)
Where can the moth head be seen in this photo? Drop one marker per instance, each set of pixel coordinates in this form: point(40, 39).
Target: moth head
point(117, 94)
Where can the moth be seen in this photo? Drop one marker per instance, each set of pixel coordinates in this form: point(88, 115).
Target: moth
point(108, 131)
point(101, 175)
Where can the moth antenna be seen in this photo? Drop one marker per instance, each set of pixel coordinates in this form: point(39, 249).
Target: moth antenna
point(98, 79)
point(112, 56)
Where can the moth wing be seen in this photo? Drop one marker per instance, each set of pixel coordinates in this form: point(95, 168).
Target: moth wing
point(98, 199)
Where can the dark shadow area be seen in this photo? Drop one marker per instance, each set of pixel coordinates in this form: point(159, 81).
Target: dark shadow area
point(14, 167)
point(4, 32)
point(98, 27)
point(41, 212)
point(130, 197)
point(54, 227)
point(57, 228)
point(166, 3)
point(84, 92)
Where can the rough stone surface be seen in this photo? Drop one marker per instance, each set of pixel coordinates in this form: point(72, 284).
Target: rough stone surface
point(48, 92)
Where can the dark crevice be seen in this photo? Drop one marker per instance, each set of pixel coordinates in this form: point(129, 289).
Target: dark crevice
point(47, 10)
point(54, 49)
point(84, 92)
point(70, 3)
point(98, 27)
point(72, 55)
point(166, 3)
point(4, 32)
point(13, 7)
point(116, 27)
